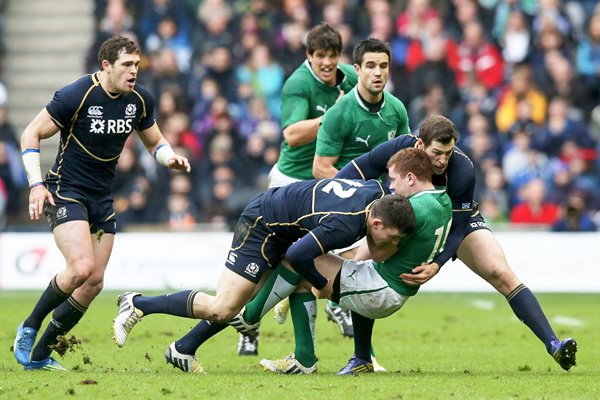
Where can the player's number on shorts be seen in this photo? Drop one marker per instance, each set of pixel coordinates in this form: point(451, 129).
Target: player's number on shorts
point(441, 234)
point(339, 190)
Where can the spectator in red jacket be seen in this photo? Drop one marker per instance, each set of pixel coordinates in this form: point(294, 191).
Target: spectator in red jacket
point(534, 209)
point(478, 59)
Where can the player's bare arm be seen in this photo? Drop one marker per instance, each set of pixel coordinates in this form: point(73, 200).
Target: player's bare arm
point(323, 167)
point(421, 274)
point(158, 146)
point(302, 132)
point(40, 128)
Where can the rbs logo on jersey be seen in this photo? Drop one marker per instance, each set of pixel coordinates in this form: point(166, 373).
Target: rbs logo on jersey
point(111, 126)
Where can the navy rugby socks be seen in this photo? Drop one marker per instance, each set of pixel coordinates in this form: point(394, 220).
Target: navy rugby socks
point(52, 297)
point(363, 332)
point(180, 304)
point(64, 318)
point(199, 334)
point(528, 310)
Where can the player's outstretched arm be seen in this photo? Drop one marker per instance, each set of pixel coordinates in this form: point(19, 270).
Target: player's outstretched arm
point(158, 146)
point(373, 164)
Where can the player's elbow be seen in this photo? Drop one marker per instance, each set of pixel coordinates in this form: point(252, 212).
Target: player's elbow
point(292, 259)
point(290, 138)
point(295, 258)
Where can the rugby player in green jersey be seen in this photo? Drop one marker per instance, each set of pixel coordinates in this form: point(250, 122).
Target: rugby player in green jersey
point(365, 117)
point(373, 287)
point(311, 90)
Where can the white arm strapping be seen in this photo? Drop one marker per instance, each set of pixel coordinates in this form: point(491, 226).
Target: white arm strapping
point(31, 161)
point(163, 154)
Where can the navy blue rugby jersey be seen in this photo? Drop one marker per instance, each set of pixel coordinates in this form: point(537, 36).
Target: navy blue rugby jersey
point(94, 125)
point(458, 179)
point(323, 214)
point(333, 209)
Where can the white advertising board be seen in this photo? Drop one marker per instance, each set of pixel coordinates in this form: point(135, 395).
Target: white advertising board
point(546, 262)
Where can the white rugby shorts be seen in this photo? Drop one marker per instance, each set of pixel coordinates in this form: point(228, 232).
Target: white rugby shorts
point(279, 179)
point(364, 291)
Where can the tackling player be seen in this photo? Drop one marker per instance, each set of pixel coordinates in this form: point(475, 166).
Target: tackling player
point(298, 222)
point(374, 288)
point(470, 239)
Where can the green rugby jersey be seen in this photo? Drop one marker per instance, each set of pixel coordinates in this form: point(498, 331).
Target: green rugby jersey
point(305, 96)
point(433, 212)
point(349, 129)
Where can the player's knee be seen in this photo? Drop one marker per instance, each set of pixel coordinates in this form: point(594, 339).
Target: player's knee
point(79, 277)
point(95, 285)
point(81, 272)
point(224, 316)
point(502, 278)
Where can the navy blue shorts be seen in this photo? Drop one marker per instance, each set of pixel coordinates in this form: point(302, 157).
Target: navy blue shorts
point(255, 248)
point(78, 205)
point(476, 222)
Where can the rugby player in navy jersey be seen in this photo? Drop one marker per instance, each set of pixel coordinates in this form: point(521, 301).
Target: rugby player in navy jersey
point(470, 239)
point(295, 224)
point(95, 115)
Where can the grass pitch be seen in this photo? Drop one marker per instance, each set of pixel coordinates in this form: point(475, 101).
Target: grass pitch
point(439, 346)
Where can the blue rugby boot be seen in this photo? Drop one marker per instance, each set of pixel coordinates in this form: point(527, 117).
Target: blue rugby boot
point(564, 353)
point(356, 366)
point(48, 364)
point(24, 344)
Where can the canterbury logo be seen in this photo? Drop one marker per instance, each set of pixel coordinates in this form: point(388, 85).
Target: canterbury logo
point(95, 111)
point(365, 141)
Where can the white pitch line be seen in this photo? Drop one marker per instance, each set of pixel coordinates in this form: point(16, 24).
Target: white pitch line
point(568, 321)
point(483, 304)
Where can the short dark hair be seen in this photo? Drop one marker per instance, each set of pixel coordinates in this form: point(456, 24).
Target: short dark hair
point(113, 47)
point(371, 45)
point(395, 211)
point(412, 160)
point(323, 37)
point(439, 128)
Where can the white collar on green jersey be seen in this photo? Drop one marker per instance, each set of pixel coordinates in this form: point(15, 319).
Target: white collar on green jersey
point(427, 191)
point(307, 65)
point(362, 104)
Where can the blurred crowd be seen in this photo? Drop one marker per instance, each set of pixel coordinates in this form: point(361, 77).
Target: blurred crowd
point(520, 79)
